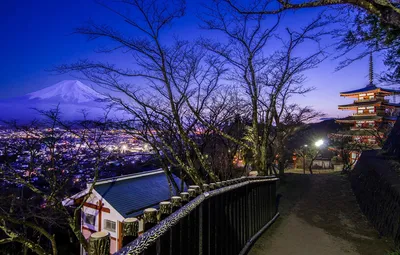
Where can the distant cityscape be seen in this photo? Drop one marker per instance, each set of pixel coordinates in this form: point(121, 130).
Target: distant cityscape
point(126, 155)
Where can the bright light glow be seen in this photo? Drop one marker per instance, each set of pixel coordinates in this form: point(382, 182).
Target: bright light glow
point(124, 147)
point(319, 143)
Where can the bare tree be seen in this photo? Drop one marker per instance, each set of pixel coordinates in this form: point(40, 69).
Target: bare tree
point(348, 142)
point(266, 79)
point(167, 84)
point(288, 124)
point(345, 146)
point(307, 153)
point(388, 11)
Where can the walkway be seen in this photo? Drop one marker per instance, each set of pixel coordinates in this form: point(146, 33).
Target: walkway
point(319, 215)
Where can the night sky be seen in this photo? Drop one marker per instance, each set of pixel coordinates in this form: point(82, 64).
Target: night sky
point(37, 35)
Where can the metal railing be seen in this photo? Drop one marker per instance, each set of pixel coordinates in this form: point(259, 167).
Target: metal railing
point(220, 218)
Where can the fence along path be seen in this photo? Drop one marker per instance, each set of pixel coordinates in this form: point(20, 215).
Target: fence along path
point(219, 218)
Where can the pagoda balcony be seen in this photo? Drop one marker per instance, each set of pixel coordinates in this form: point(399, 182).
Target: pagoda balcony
point(365, 114)
point(371, 100)
point(365, 100)
point(362, 128)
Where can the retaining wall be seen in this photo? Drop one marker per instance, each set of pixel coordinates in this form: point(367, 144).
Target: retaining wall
point(377, 187)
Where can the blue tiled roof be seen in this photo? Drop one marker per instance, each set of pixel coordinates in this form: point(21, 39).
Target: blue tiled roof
point(370, 88)
point(132, 195)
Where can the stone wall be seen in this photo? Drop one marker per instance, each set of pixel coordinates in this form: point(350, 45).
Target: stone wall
point(376, 185)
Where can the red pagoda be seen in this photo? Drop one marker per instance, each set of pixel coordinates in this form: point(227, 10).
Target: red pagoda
point(374, 115)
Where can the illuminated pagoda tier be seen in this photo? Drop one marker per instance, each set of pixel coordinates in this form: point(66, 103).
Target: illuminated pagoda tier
point(374, 115)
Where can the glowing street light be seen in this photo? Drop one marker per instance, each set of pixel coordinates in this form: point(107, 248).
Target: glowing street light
point(319, 143)
point(124, 148)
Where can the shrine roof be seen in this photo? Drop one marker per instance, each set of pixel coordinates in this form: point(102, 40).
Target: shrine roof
point(370, 88)
point(369, 103)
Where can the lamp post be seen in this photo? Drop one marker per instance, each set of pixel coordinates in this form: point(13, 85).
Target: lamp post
point(304, 158)
point(124, 148)
point(319, 143)
point(294, 157)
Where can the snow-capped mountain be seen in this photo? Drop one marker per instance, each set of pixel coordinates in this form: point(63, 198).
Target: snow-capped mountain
point(70, 91)
point(71, 96)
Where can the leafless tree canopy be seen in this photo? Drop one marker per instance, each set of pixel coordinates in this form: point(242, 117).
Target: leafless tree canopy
point(266, 76)
point(386, 10)
point(176, 91)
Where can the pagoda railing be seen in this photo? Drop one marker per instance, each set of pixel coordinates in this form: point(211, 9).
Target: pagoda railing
point(365, 114)
point(370, 100)
point(219, 218)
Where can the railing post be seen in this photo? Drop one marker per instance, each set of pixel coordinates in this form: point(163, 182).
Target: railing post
point(185, 197)
point(275, 206)
point(176, 231)
point(196, 188)
point(212, 186)
point(235, 218)
point(150, 220)
point(130, 230)
point(186, 229)
point(164, 212)
point(228, 219)
point(176, 203)
point(99, 243)
point(192, 193)
point(247, 212)
point(195, 227)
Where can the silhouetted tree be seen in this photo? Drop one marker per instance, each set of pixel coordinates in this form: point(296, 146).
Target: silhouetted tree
point(266, 81)
point(387, 11)
point(165, 76)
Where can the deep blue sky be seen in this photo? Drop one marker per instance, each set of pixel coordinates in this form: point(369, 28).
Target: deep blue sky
point(37, 35)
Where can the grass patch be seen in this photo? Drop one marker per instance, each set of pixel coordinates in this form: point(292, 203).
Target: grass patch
point(393, 252)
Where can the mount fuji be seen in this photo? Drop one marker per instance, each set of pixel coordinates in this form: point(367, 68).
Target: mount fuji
point(68, 91)
point(71, 96)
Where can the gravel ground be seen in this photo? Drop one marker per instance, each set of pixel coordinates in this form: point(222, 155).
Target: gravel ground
point(320, 215)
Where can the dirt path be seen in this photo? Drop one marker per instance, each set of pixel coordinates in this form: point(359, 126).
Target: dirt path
point(320, 216)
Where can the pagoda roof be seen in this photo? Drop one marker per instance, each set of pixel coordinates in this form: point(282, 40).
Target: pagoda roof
point(369, 103)
point(352, 119)
point(370, 88)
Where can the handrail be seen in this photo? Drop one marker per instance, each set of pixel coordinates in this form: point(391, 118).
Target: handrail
point(151, 236)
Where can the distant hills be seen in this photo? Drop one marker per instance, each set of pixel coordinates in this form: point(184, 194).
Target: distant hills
point(72, 97)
